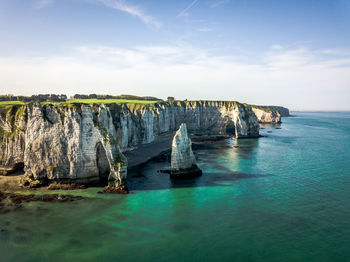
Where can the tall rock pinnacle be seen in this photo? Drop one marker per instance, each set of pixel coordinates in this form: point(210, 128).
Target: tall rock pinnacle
point(183, 162)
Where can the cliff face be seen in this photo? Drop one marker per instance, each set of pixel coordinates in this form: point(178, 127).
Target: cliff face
point(83, 143)
point(13, 124)
point(284, 112)
point(63, 143)
point(73, 144)
point(142, 124)
point(267, 115)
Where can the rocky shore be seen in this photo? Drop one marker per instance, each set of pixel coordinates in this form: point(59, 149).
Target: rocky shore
point(10, 201)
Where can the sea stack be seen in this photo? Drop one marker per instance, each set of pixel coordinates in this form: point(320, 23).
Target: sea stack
point(183, 162)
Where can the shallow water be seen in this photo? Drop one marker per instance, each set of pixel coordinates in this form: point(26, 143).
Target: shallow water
point(283, 197)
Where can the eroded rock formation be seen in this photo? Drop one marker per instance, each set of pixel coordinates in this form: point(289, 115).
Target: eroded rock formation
point(284, 112)
point(183, 162)
point(66, 144)
point(13, 125)
point(83, 143)
point(141, 124)
point(267, 115)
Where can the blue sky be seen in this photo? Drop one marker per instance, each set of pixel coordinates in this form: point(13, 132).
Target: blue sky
point(292, 53)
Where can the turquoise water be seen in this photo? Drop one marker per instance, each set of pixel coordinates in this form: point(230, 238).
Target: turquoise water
point(282, 197)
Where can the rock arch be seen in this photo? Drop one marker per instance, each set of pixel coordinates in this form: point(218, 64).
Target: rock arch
point(102, 162)
point(230, 128)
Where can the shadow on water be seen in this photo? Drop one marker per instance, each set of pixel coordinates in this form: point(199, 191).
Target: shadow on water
point(214, 179)
point(147, 177)
point(159, 181)
point(270, 126)
point(244, 147)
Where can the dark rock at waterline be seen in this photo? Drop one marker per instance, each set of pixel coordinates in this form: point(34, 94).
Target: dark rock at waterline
point(162, 157)
point(269, 131)
point(116, 190)
point(208, 139)
point(164, 171)
point(12, 169)
point(186, 173)
point(2, 196)
point(18, 199)
point(60, 198)
point(70, 186)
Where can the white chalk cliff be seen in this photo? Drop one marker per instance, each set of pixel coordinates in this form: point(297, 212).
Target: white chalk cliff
point(265, 115)
point(84, 143)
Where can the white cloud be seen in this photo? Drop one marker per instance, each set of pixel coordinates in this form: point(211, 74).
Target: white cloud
point(42, 3)
point(299, 78)
point(219, 3)
point(184, 12)
point(121, 5)
point(276, 47)
point(205, 30)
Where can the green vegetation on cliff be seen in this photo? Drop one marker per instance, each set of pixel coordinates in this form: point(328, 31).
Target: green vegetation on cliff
point(110, 101)
point(269, 110)
point(10, 103)
point(12, 115)
point(130, 102)
point(84, 101)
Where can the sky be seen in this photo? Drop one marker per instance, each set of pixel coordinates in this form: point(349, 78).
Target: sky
point(277, 52)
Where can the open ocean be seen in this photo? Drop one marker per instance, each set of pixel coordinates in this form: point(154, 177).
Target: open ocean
point(281, 197)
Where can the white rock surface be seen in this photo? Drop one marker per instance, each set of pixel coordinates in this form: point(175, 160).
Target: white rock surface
point(74, 144)
point(182, 156)
point(267, 115)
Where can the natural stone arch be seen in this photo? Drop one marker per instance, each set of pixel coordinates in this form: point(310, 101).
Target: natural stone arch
point(230, 128)
point(102, 162)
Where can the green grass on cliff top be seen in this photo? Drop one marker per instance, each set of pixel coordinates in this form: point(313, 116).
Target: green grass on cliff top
point(102, 101)
point(111, 101)
point(85, 101)
point(10, 103)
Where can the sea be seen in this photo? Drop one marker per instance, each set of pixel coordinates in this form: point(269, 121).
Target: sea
point(282, 197)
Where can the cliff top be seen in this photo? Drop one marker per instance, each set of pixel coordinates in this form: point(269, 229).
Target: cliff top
point(118, 101)
point(266, 109)
point(111, 101)
point(83, 101)
point(10, 103)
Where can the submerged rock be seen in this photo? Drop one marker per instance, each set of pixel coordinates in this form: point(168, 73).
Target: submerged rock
point(18, 199)
point(183, 162)
point(70, 186)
